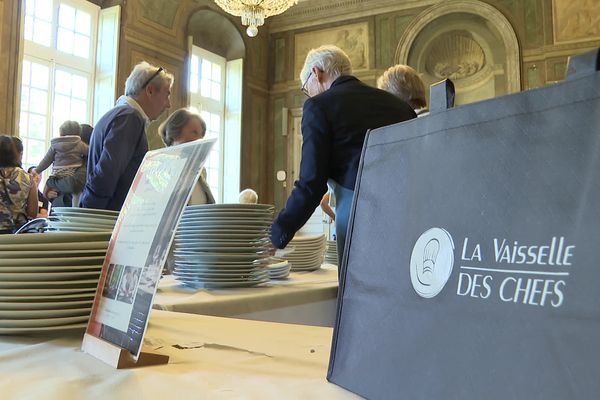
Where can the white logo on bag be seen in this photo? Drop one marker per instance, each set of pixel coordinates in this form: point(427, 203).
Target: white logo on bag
point(431, 262)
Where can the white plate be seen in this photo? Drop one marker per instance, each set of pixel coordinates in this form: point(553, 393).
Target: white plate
point(50, 305)
point(18, 331)
point(51, 253)
point(252, 230)
point(77, 210)
point(231, 206)
point(220, 235)
point(252, 275)
point(79, 283)
point(210, 257)
point(84, 220)
point(45, 291)
point(26, 314)
point(41, 322)
point(226, 219)
point(77, 229)
point(232, 250)
point(51, 268)
point(56, 246)
point(53, 237)
point(46, 276)
point(53, 298)
point(234, 269)
point(13, 262)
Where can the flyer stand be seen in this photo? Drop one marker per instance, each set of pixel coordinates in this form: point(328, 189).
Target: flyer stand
point(137, 253)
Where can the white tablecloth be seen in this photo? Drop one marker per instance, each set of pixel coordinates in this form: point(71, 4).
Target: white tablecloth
point(215, 358)
point(306, 298)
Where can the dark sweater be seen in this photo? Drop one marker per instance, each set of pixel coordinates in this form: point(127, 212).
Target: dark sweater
point(117, 148)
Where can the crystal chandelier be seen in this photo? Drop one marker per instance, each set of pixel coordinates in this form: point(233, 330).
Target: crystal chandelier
point(254, 12)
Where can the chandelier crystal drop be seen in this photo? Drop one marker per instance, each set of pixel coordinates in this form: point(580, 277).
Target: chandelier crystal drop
point(254, 12)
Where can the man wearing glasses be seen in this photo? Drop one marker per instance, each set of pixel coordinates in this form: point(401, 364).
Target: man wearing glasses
point(118, 142)
point(335, 119)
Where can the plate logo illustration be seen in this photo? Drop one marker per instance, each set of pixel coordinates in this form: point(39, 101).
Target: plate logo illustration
point(431, 262)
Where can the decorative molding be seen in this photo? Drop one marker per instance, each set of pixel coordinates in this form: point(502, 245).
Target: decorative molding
point(303, 15)
point(575, 21)
point(486, 11)
point(170, 51)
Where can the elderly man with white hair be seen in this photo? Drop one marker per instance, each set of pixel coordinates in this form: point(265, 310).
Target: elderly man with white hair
point(335, 119)
point(118, 142)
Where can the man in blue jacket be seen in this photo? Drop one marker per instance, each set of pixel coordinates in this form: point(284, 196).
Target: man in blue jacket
point(118, 143)
point(335, 120)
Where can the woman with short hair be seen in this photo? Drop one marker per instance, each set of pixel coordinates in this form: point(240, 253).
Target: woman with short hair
point(181, 127)
point(18, 194)
point(404, 82)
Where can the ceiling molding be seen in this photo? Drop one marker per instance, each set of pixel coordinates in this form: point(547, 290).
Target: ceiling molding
point(303, 14)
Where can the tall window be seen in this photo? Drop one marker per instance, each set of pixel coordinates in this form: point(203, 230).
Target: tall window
point(57, 76)
point(207, 87)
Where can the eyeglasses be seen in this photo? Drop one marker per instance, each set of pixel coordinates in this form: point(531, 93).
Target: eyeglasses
point(154, 75)
point(303, 88)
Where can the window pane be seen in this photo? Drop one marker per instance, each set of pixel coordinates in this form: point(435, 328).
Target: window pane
point(37, 127)
point(42, 32)
point(82, 46)
point(78, 110)
point(39, 76)
point(194, 66)
point(205, 88)
point(205, 74)
point(62, 82)
point(216, 73)
point(65, 40)
point(62, 108)
point(66, 17)
point(24, 98)
point(26, 72)
point(23, 126)
point(80, 87)
point(215, 123)
point(29, 7)
point(83, 23)
point(43, 9)
point(28, 28)
point(37, 101)
point(34, 151)
point(194, 83)
point(215, 91)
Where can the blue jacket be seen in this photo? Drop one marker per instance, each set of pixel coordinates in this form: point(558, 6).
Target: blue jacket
point(334, 126)
point(117, 148)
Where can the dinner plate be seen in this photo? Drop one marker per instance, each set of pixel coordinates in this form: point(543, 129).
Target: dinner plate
point(13, 262)
point(207, 276)
point(231, 206)
point(51, 298)
point(71, 229)
point(210, 257)
point(51, 268)
point(223, 285)
point(78, 283)
point(54, 237)
point(26, 314)
point(55, 246)
point(233, 269)
point(247, 229)
point(220, 235)
point(83, 220)
point(49, 305)
point(231, 249)
point(51, 253)
point(11, 292)
point(77, 210)
point(46, 276)
point(17, 331)
point(41, 322)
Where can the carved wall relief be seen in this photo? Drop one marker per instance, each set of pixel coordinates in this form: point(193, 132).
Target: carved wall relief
point(454, 55)
point(353, 39)
point(576, 20)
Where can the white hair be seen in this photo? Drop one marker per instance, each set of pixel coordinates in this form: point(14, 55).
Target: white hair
point(141, 73)
point(248, 196)
point(327, 58)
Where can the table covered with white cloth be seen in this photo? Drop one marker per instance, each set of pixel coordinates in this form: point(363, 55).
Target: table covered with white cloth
point(306, 298)
point(210, 357)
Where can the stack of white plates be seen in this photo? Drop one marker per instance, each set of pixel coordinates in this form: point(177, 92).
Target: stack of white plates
point(331, 255)
point(279, 268)
point(48, 281)
point(223, 245)
point(72, 219)
point(308, 252)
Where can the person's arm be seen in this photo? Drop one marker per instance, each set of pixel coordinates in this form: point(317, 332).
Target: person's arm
point(314, 171)
point(46, 161)
point(120, 143)
point(32, 201)
point(325, 207)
